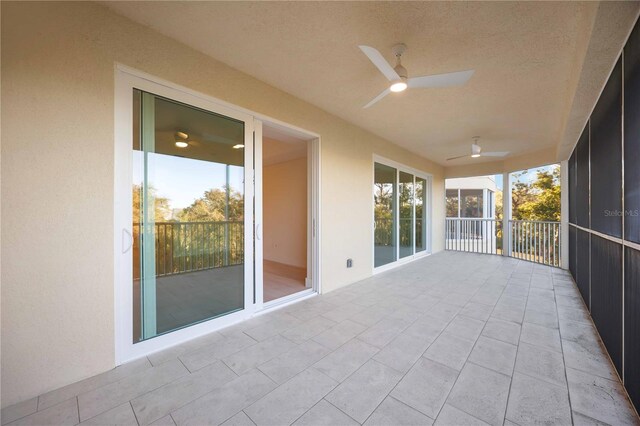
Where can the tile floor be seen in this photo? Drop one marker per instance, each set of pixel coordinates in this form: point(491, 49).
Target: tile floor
point(450, 339)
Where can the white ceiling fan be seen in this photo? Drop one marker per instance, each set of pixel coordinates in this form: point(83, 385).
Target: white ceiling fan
point(476, 151)
point(399, 78)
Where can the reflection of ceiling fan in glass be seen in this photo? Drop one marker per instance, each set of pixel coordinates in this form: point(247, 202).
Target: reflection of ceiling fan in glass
point(476, 151)
point(399, 77)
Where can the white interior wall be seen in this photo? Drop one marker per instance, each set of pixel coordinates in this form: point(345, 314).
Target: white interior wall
point(284, 190)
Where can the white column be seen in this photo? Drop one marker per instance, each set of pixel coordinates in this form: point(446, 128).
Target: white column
point(564, 215)
point(506, 214)
point(485, 203)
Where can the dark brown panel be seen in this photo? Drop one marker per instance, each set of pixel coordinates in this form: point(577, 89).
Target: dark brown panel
point(606, 295)
point(582, 179)
point(606, 157)
point(632, 324)
point(572, 187)
point(572, 251)
point(632, 136)
point(582, 265)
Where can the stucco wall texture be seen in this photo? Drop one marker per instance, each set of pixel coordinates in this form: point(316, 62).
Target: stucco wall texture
point(58, 67)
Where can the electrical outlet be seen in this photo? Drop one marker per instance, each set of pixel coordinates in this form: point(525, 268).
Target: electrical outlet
point(349, 263)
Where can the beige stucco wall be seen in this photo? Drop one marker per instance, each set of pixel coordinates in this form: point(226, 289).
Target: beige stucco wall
point(284, 208)
point(58, 178)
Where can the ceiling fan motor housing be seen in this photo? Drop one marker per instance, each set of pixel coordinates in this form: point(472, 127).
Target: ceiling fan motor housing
point(402, 71)
point(398, 50)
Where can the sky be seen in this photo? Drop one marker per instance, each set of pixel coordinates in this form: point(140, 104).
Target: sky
point(527, 177)
point(183, 180)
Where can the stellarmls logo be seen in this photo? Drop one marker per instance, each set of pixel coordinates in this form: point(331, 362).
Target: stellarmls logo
point(619, 213)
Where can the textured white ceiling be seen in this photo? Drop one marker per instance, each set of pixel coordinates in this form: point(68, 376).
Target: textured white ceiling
point(528, 57)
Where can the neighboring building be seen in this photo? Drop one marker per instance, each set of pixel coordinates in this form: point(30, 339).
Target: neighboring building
point(471, 197)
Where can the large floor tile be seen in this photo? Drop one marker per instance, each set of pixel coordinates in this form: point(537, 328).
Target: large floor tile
point(481, 393)
point(252, 356)
point(450, 350)
point(465, 327)
point(122, 415)
point(545, 319)
point(160, 402)
point(110, 396)
point(402, 352)
point(383, 332)
point(223, 403)
point(55, 397)
point(185, 348)
point(494, 354)
point(505, 331)
point(240, 419)
point(17, 411)
point(325, 414)
point(541, 363)
point(588, 356)
point(361, 393)
point(294, 361)
point(345, 360)
point(599, 398)
point(533, 401)
point(200, 358)
point(339, 334)
point(307, 330)
point(476, 310)
point(393, 412)
point(548, 338)
point(271, 328)
point(292, 399)
point(65, 413)
point(165, 421)
point(426, 386)
point(451, 416)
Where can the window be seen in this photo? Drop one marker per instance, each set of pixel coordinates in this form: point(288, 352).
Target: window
point(400, 200)
point(471, 203)
point(452, 203)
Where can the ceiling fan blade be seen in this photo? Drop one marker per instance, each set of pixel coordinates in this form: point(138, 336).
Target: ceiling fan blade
point(377, 98)
point(380, 63)
point(459, 156)
point(495, 154)
point(441, 80)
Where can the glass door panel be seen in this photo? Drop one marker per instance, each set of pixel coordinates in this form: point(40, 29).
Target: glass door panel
point(188, 215)
point(406, 214)
point(421, 214)
point(384, 205)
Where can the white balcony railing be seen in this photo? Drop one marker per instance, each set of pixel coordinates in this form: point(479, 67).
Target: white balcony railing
point(191, 246)
point(535, 241)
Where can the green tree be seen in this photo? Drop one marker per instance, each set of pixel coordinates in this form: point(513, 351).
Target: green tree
point(539, 200)
point(211, 207)
point(161, 207)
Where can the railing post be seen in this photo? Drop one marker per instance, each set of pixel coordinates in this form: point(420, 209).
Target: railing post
point(506, 214)
point(563, 234)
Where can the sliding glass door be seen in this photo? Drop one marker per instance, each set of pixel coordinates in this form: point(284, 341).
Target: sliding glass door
point(188, 215)
point(406, 214)
point(385, 214)
point(401, 208)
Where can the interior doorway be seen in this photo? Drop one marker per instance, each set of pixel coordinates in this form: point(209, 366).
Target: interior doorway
point(286, 213)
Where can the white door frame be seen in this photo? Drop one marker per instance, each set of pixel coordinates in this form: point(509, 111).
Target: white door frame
point(126, 79)
point(313, 217)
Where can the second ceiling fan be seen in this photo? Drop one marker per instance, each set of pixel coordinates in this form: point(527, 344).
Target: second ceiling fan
point(476, 151)
point(399, 78)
